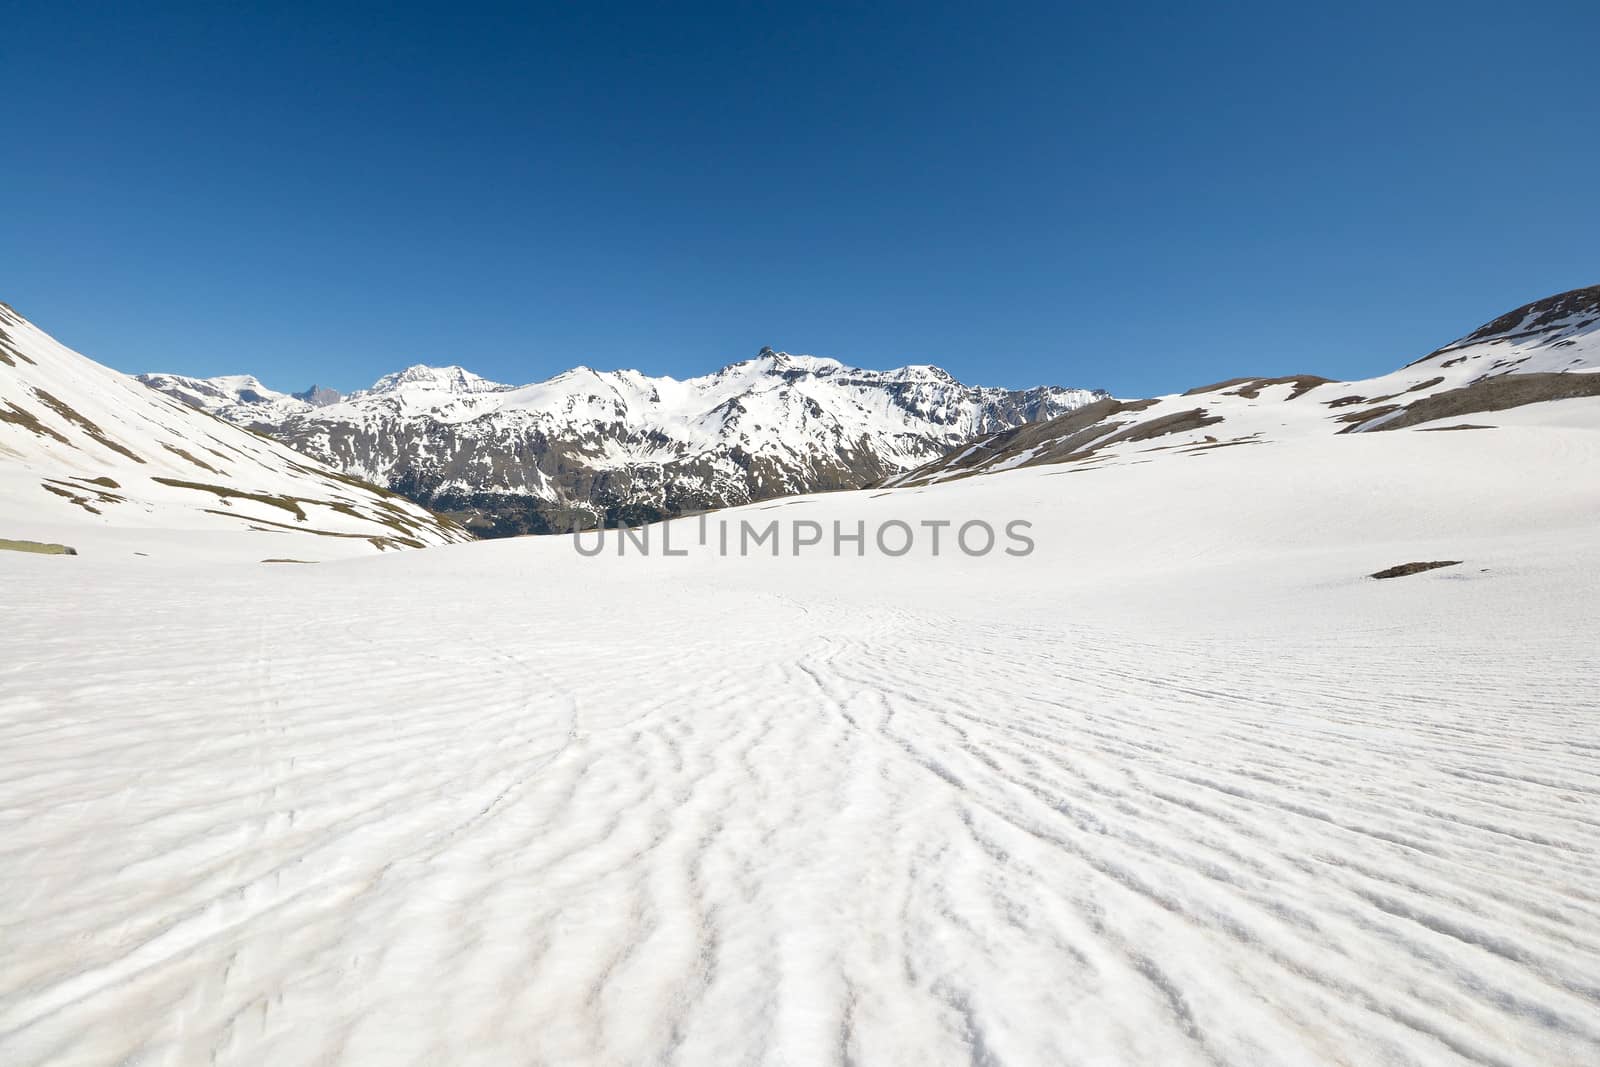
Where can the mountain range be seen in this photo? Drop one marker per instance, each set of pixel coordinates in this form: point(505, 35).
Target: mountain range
point(591, 447)
point(85, 445)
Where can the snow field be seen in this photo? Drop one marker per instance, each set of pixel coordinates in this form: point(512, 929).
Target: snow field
point(1181, 787)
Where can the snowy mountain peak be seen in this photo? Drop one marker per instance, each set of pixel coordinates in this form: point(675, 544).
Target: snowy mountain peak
point(781, 364)
point(922, 372)
point(450, 379)
point(247, 387)
point(790, 366)
point(242, 392)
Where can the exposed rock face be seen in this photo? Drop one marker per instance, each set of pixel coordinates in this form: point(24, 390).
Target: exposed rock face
point(319, 396)
point(589, 446)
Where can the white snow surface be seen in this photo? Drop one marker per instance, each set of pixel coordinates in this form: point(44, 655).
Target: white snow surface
point(1183, 786)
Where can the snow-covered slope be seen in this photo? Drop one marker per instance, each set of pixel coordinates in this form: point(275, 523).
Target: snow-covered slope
point(88, 455)
point(1181, 787)
point(1546, 352)
point(592, 445)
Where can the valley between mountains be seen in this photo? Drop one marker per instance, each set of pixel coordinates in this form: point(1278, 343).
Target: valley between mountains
point(1182, 785)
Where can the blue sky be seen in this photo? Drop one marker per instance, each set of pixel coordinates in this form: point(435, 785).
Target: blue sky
point(1135, 197)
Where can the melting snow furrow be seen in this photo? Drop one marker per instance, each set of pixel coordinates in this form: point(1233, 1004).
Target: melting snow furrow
point(851, 834)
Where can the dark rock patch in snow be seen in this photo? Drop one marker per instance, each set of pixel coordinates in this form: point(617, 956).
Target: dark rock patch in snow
point(1494, 394)
point(1404, 569)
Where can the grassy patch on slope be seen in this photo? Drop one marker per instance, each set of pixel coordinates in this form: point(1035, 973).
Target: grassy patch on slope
point(223, 492)
point(39, 547)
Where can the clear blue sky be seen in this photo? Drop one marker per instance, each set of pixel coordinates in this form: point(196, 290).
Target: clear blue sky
point(1138, 197)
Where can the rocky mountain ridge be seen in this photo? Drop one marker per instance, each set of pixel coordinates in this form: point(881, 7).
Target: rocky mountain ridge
point(590, 446)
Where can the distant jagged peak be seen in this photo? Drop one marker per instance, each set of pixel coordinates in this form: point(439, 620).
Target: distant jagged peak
point(921, 372)
point(782, 364)
point(791, 365)
point(319, 396)
point(421, 376)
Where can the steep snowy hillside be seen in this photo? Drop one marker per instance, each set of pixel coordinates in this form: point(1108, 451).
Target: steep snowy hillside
point(618, 445)
point(88, 456)
point(1542, 353)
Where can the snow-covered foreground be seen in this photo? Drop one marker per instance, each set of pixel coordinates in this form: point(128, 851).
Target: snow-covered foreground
point(1183, 786)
